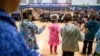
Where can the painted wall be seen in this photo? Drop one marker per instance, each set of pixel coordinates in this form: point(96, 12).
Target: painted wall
point(24, 3)
point(85, 2)
point(61, 1)
point(46, 1)
point(43, 1)
point(75, 3)
point(35, 1)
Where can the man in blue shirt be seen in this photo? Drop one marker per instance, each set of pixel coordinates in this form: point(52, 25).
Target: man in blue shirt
point(12, 43)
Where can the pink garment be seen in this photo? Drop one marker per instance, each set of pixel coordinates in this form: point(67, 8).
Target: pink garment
point(54, 29)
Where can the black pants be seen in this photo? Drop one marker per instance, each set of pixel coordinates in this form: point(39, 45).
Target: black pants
point(87, 46)
point(67, 53)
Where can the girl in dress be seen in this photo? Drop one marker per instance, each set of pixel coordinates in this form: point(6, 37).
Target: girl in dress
point(28, 29)
point(54, 29)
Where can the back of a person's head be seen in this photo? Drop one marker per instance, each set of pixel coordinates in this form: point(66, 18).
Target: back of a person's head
point(98, 16)
point(54, 17)
point(67, 17)
point(26, 14)
point(93, 15)
point(98, 13)
point(76, 12)
point(75, 17)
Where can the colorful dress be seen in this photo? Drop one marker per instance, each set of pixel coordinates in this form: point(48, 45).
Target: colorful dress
point(28, 30)
point(54, 34)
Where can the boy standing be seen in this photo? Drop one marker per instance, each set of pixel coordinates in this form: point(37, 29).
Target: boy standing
point(91, 27)
point(70, 35)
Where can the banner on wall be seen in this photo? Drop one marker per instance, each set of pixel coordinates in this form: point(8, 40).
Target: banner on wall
point(49, 4)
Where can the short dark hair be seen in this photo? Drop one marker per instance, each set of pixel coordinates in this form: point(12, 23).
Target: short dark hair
point(93, 15)
point(75, 17)
point(67, 17)
point(27, 13)
point(54, 17)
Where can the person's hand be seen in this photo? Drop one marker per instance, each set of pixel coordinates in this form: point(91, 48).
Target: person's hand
point(86, 30)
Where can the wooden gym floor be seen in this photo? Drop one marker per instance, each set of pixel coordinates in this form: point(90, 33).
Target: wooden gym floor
point(42, 40)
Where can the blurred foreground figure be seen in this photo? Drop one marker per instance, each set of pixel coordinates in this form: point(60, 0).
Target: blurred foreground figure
point(12, 43)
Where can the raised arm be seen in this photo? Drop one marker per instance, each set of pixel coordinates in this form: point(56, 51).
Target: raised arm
point(35, 28)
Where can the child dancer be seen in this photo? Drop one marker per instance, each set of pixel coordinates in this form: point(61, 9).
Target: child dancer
point(70, 34)
point(54, 33)
point(28, 29)
point(91, 27)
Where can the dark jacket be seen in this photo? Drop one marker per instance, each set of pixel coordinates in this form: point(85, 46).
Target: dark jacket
point(93, 27)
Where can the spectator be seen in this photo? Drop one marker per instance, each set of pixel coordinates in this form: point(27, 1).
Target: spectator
point(12, 43)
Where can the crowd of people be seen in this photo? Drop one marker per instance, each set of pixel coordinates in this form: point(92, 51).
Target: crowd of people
point(79, 26)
